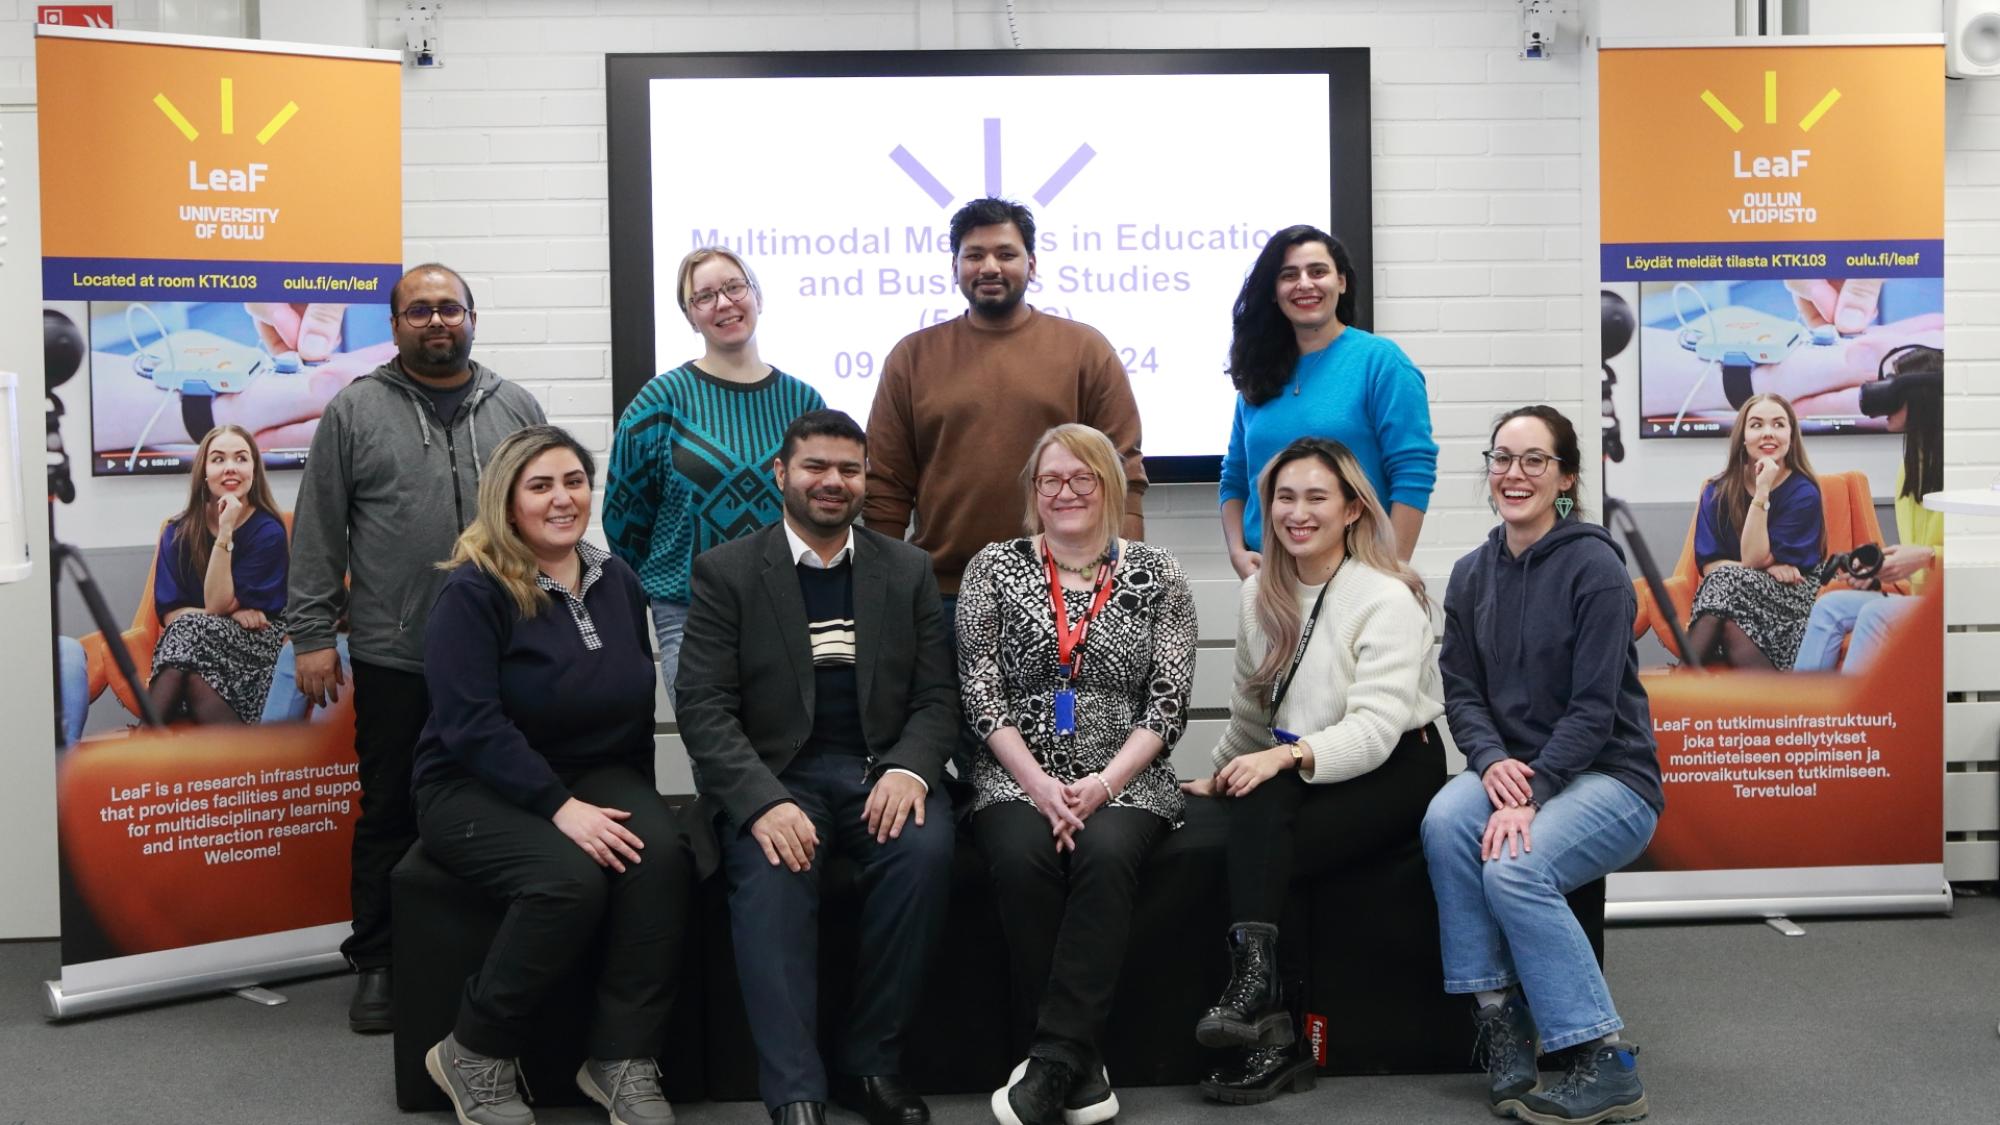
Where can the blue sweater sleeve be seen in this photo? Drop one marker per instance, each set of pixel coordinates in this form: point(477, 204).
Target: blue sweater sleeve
point(1603, 631)
point(167, 592)
point(462, 650)
point(1708, 545)
point(1235, 459)
point(1402, 412)
point(261, 565)
point(1796, 523)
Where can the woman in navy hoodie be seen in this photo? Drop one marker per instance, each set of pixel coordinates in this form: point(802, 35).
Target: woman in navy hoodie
point(1562, 779)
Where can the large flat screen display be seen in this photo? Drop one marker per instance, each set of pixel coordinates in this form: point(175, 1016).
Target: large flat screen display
point(1154, 178)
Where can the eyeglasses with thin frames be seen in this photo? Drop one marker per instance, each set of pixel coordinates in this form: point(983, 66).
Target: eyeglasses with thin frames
point(735, 290)
point(419, 316)
point(1534, 462)
point(1082, 484)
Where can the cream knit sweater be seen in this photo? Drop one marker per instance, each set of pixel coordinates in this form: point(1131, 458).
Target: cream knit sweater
point(1369, 675)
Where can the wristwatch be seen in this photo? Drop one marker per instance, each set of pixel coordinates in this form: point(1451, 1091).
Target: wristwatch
point(1298, 756)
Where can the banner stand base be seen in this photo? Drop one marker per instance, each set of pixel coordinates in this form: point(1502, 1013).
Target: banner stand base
point(269, 999)
point(1774, 907)
point(62, 1004)
point(1785, 926)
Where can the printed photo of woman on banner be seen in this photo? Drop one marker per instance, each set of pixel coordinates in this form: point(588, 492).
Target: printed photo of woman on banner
point(197, 339)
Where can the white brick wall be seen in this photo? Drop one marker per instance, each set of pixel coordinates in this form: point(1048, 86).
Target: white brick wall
point(1477, 173)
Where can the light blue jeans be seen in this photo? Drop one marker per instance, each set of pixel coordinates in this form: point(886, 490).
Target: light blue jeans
point(284, 704)
point(1505, 922)
point(669, 626)
point(1868, 615)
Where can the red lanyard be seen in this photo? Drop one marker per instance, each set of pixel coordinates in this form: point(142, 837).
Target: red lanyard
point(1068, 641)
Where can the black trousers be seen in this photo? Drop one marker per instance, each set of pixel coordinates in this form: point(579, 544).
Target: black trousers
point(774, 923)
point(1067, 917)
point(390, 707)
point(1289, 829)
point(559, 904)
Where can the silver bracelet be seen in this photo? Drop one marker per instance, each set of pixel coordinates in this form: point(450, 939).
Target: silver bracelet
point(1108, 794)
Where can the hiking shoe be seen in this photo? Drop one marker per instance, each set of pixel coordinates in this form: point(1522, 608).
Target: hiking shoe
point(482, 1090)
point(1601, 1085)
point(628, 1088)
point(1506, 1045)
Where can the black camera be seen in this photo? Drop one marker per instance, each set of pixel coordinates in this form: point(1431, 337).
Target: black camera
point(1910, 369)
point(1859, 566)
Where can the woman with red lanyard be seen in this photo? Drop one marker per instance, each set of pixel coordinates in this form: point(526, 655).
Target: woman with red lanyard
point(1076, 655)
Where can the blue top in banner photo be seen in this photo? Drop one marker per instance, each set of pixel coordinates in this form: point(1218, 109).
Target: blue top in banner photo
point(182, 279)
point(1687, 261)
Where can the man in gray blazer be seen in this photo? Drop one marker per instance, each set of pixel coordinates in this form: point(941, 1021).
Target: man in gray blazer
point(818, 705)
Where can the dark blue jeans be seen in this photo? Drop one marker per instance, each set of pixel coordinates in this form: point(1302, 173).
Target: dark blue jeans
point(774, 921)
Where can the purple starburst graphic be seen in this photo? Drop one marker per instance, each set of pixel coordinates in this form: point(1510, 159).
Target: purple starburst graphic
point(942, 195)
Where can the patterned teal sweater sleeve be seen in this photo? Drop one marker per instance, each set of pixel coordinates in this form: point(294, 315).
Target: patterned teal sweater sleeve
point(691, 469)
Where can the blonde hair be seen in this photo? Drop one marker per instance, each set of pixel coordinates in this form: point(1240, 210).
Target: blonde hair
point(1370, 540)
point(1091, 447)
point(684, 286)
point(491, 541)
point(191, 532)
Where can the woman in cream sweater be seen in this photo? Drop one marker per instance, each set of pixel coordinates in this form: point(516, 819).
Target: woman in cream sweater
point(1330, 755)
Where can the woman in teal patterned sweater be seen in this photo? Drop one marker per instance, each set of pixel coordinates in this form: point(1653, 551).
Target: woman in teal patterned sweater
point(691, 461)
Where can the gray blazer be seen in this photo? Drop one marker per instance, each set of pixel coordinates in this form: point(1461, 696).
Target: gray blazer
point(745, 689)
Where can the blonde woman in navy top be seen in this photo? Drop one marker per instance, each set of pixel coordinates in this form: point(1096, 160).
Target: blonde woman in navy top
point(534, 780)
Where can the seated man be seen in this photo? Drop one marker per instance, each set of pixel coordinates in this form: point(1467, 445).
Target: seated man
point(817, 702)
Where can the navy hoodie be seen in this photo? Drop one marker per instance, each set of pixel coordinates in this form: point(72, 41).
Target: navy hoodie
point(1539, 662)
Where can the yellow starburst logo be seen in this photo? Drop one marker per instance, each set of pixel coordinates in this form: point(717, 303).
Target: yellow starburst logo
point(1735, 123)
point(228, 127)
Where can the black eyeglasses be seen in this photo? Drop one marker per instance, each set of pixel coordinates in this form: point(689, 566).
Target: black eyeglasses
point(1534, 463)
point(1082, 484)
point(735, 290)
point(418, 316)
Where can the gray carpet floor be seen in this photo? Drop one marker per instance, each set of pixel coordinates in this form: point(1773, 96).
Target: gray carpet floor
point(1861, 1020)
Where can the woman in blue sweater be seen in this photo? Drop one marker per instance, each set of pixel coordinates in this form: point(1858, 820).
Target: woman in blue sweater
point(691, 461)
point(1561, 785)
point(1302, 369)
point(534, 780)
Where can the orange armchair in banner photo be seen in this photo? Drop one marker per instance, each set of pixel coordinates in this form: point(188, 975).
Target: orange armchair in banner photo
point(1849, 511)
point(1773, 770)
point(178, 838)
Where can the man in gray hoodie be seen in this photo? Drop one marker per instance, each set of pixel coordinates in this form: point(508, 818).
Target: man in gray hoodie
point(392, 478)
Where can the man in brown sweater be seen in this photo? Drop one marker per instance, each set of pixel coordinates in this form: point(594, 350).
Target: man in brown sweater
point(961, 403)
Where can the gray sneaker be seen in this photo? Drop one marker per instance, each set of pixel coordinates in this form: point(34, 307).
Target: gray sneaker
point(628, 1088)
point(1506, 1045)
point(482, 1090)
point(1601, 1085)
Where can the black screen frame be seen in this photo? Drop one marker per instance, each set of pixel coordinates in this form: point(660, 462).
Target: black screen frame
point(628, 161)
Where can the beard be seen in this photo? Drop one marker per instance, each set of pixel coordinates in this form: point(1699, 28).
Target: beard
point(422, 358)
point(800, 506)
point(994, 306)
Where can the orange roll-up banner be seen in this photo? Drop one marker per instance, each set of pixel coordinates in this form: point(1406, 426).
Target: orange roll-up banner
point(206, 203)
point(1772, 260)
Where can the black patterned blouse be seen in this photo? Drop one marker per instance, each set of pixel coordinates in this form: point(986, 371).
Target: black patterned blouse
point(1138, 669)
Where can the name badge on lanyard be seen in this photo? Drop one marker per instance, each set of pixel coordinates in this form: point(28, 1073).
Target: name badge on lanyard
point(1069, 642)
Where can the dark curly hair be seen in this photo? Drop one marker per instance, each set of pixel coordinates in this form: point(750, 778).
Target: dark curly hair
point(1263, 348)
